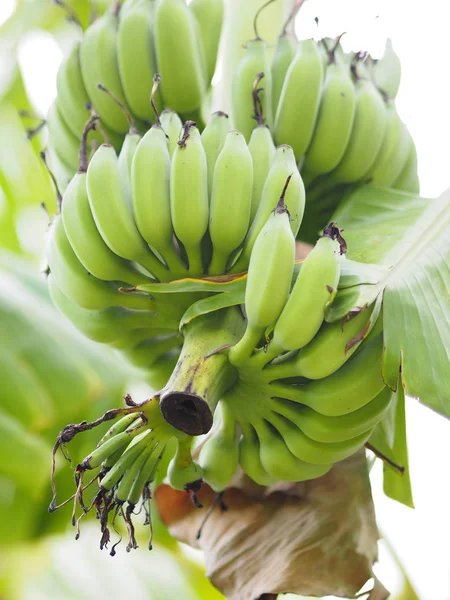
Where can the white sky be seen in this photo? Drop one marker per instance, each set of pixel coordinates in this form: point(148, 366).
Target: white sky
point(420, 36)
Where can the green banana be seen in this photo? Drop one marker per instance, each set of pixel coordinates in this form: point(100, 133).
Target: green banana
point(128, 421)
point(118, 442)
point(229, 211)
point(348, 389)
point(113, 216)
point(136, 56)
point(338, 428)
point(219, 455)
point(314, 288)
point(73, 99)
point(269, 279)
point(99, 64)
point(87, 242)
point(189, 203)
point(150, 182)
point(183, 470)
point(387, 71)
point(408, 180)
point(249, 457)
point(300, 99)
point(61, 172)
point(366, 136)
point(125, 160)
point(125, 462)
point(311, 451)
point(62, 138)
point(254, 63)
point(262, 150)
point(177, 43)
point(213, 139)
point(283, 166)
point(132, 473)
point(77, 284)
point(334, 121)
point(209, 16)
point(394, 151)
point(329, 349)
point(172, 126)
point(278, 460)
point(147, 472)
point(284, 52)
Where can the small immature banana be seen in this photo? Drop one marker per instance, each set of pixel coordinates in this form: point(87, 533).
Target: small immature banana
point(126, 483)
point(283, 166)
point(348, 389)
point(112, 213)
point(254, 63)
point(125, 462)
point(213, 139)
point(77, 284)
point(229, 211)
point(278, 460)
point(300, 99)
point(182, 468)
point(62, 172)
point(327, 351)
point(177, 43)
point(86, 240)
point(262, 150)
point(172, 127)
point(62, 137)
point(387, 71)
point(219, 455)
point(338, 428)
point(408, 180)
point(209, 16)
point(249, 457)
point(150, 177)
point(119, 426)
point(285, 50)
point(314, 289)
point(99, 64)
point(334, 121)
point(147, 473)
point(367, 133)
point(136, 56)
point(189, 203)
point(269, 279)
point(394, 151)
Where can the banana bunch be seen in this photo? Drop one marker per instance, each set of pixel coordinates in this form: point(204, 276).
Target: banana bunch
point(123, 51)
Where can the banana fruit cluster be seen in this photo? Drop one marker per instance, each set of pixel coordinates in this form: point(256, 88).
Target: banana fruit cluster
point(335, 109)
point(123, 51)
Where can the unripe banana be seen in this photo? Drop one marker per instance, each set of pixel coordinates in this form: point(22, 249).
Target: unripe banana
point(249, 457)
point(219, 455)
point(339, 428)
point(62, 138)
point(136, 56)
point(112, 214)
point(77, 284)
point(125, 160)
point(334, 121)
point(366, 136)
point(131, 474)
point(209, 16)
point(311, 451)
point(393, 153)
point(283, 166)
point(387, 71)
point(87, 242)
point(300, 99)
point(73, 99)
point(147, 472)
point(213, 139)
point(119, 426)
point(176, 43)
point(262, 150)
point(314, 289)
point(182, 468)
point(254, 63)
point(172, 127)
point(348, 389)
point(229, 212)
point(125, 462)
point(151, 196)
point(61, 172)
point(285, 50)
point(278, 460)
point(189, 204)
point(408, 180)
point(333, 345)
point(117, 442)
point(99, 64)
point(269, 279)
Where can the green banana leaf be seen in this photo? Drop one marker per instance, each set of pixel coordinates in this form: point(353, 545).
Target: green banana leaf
point(409, 238)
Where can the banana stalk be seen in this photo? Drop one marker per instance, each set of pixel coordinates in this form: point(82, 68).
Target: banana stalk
point(202, 374)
